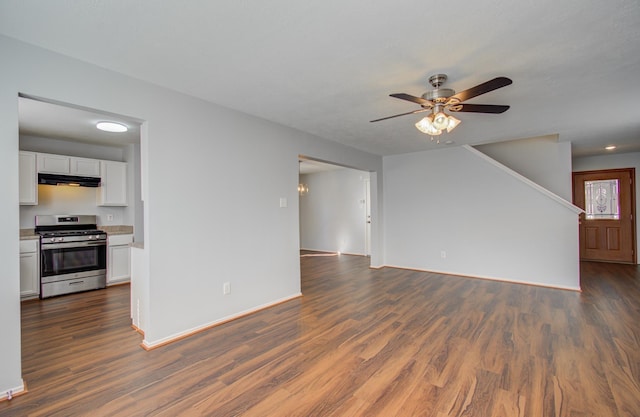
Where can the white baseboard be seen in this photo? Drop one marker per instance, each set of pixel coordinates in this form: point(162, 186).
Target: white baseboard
point(148, 345)
point(8, 394)
point(330, 251)
point(511, 281)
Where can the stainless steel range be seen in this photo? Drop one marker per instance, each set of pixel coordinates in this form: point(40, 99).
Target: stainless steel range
point(73, 254)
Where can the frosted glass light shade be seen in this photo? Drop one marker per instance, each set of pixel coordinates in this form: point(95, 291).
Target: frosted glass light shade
point(112, 127)
point(440, 121)
point(453, 122)
point(426, 126)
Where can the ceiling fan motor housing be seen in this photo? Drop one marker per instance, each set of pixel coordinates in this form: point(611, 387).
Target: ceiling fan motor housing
point(437, 80)
point(439, 95)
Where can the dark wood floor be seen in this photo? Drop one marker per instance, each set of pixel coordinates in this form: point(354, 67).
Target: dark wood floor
point(360, 342)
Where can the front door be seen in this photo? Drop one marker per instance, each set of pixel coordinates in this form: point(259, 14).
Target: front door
point(607, 228)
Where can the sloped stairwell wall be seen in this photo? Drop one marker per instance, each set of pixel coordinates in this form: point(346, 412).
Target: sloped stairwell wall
point(541, 159)
point(457, 211)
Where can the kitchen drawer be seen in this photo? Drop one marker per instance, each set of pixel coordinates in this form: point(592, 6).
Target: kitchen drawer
point(30, 245)
point(116, 240)
point(72, 285)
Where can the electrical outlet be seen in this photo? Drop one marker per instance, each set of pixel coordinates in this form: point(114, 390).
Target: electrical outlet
point(226, 288)
point(443, 254)
point(109, 217)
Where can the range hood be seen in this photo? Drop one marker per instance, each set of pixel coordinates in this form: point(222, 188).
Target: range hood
point(59, 179)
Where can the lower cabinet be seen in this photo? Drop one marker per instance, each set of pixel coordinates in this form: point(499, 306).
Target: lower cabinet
point(29, 268)
point(119, 258)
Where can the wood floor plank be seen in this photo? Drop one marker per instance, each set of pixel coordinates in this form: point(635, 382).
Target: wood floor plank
point(360, 342)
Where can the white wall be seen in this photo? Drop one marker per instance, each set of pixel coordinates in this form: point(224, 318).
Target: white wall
point(70, 200)
point(70, 148)
point(613, 161)
point(134, 211)
point(212, 182)
point(543, 160)
point(10, 366)
point(333, 212)
point(491, 223)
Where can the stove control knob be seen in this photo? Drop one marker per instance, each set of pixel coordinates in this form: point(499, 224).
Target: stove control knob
point(97, 236)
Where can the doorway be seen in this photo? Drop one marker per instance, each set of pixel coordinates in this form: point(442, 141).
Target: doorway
point(335, 208)
point(51, 127)
point(607, 227)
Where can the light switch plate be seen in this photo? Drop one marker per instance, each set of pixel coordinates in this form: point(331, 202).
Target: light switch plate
point(283, 202)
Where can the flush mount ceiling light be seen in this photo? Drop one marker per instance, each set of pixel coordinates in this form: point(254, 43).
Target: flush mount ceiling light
point(440, 99)
point(610, 147)
point(112, 127)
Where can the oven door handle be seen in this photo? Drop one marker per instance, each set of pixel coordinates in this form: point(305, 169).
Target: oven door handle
point(67, 245)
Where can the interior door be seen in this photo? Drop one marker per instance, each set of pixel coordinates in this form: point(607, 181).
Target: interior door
point(367, 220)
point(607, 228)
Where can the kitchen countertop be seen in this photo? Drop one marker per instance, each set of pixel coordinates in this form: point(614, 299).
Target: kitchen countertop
point(117, 230)
point(28, 234)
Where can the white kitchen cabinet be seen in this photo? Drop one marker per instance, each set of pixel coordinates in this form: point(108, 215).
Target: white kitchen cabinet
point(84, 167)
point(53, 164)
point(68, 165)
point(28, 178)
point(119, 258)
point(113, 184)
point(29, 268)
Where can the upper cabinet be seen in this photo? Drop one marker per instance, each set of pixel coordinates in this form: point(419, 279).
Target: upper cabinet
point(112, 174)
point(84, 167)
point(28, 178)
point(69, 165)
point(53, 164)
point(113, 184)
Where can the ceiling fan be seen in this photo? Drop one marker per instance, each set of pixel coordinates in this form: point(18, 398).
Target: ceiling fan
point(440, 99)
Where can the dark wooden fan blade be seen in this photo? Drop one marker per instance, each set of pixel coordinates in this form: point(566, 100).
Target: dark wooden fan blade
point(479, 108)
point(398, 115)
point(413, 99)
point(483, 88)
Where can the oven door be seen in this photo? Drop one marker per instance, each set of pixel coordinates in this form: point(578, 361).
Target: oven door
point(72, 257)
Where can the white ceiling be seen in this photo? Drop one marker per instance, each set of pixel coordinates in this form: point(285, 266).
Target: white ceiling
point(52, 120)
point(310, 166)
point(327, 67)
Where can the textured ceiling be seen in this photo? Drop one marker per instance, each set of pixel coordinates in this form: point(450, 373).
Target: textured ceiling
point(327, 67)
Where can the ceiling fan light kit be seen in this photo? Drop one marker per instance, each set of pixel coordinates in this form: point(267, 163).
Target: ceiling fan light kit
point(440, 99)
point(426, 126)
